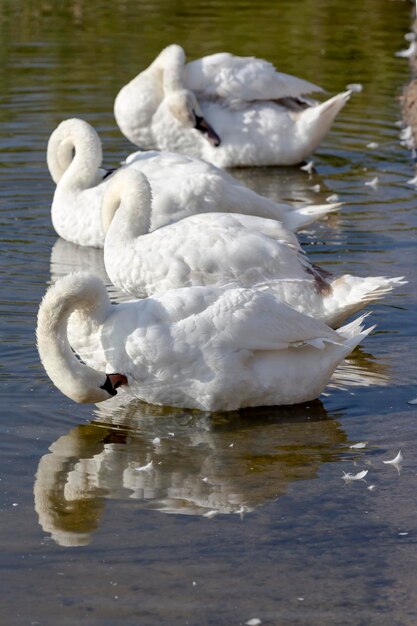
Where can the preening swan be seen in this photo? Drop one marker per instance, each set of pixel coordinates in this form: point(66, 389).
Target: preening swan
point(218, 249)
point(228, 110)
point(181, 186)
point(205, 348)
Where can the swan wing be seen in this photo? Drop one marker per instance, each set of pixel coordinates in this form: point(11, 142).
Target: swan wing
point(264, 226)
point(226, 76)
point(253, 320)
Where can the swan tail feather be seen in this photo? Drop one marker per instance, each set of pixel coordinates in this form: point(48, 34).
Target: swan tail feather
point(350, 293)
point(354, 332)
point(301, 217)
point(317, 120)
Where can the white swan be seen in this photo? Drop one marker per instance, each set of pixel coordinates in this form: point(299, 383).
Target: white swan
point(181, 186)
point(228, 110)
point(205, 348)
point(219, 249)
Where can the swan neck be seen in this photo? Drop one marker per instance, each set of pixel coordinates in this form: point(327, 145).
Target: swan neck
point(59, 159)
point(76, 380)
point(171, 62)
point(127, 206)
point(74, 154)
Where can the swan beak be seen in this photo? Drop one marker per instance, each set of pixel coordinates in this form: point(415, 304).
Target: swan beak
point(113, 381)
point(108, 171)
point(204, 127)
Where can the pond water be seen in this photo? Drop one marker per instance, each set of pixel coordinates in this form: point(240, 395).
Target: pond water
point(243, 516)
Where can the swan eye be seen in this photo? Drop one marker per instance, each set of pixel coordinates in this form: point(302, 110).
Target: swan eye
point(204, 127)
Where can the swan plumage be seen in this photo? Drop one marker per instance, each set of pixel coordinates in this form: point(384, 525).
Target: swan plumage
point(200, 347)
point(218, 249)
point(228, 110)
point(181, 186)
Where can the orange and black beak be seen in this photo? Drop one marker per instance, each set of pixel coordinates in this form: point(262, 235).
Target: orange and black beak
point(113, 381)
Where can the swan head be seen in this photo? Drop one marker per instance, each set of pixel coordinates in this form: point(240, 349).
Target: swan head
point(183, 105)
point(112, 382)
point(90, 386)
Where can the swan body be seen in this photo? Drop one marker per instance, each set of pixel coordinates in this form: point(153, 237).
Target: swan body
point(201, 347)
point(181, 186)
point(218, 249)
point(228, 110)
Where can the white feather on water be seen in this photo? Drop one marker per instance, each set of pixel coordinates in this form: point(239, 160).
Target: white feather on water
point(395, 461)
point(409, 52)
point(308, 167)
point(359, 476)
point(373, 183)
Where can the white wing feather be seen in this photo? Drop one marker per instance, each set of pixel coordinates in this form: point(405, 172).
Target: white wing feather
point(226, 76)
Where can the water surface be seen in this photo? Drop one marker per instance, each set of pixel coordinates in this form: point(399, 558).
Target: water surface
point(140, 515)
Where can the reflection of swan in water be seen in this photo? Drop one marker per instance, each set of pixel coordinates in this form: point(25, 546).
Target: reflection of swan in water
point(179, 461)
point(359, 369)
point(67, 257)
point(295, 185)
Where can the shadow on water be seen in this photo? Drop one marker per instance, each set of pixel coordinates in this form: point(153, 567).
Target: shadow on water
point(178, 461)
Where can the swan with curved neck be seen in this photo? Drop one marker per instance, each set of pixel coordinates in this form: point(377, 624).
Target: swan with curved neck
point(79, 382)
point(162, 81)
point(228, 110)
point(219, 249)
point(200, 347)
point(181, 186)
point(74, 157)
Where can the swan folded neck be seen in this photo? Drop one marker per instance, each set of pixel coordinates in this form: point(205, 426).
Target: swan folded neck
point(127, 205)
point(171, 61)
point(74, 154)
point(75, 379)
